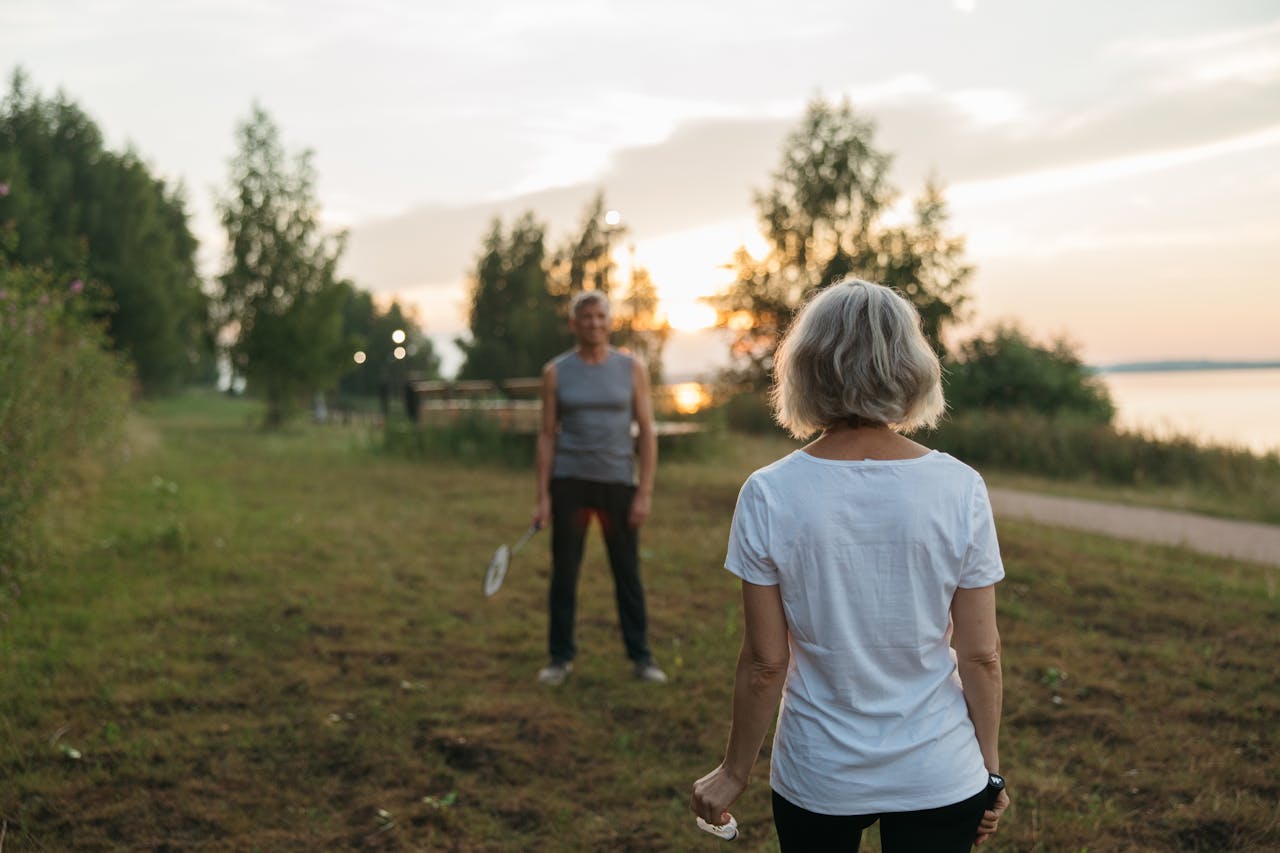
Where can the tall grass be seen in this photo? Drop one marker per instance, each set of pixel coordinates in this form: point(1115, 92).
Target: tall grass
point(478, 438)
point(1223, 480)
point(63, 399)
point(1072, 449)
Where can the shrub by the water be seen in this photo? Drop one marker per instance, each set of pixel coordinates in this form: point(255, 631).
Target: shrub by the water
point(1007, 370)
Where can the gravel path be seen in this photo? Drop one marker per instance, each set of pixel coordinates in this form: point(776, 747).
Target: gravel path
point(1243, 540)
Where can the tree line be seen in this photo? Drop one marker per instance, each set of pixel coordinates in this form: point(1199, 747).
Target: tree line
point(285, 322)
point(279, 314)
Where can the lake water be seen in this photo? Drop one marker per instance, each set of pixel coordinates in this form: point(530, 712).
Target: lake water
point(1233, 407)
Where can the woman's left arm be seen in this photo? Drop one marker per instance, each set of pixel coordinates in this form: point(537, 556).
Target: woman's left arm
point(757, 689)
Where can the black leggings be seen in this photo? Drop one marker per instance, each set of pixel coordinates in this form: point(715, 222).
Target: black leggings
point(949, 829)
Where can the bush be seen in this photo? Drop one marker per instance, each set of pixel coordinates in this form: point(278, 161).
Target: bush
point(62, 396)
point(749, 412)
point(1007, 370)
point(473, 437)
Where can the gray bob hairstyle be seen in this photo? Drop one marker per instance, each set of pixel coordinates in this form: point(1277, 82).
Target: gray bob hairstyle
point(855, 354)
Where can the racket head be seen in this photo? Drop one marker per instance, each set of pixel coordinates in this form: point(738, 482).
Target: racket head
point(497, 570)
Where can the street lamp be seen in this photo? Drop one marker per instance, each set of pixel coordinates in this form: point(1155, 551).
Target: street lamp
point(612, 226)
point(388, 370)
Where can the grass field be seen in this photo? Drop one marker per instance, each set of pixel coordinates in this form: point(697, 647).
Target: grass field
point(244, 642)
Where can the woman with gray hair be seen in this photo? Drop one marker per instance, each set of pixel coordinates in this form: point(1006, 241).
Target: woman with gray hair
point(863, 556)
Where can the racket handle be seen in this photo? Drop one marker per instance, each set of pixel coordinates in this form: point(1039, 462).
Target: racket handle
point(726, 832)
point(525, 538)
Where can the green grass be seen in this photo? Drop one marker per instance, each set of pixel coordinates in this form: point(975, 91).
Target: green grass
point(246, 641)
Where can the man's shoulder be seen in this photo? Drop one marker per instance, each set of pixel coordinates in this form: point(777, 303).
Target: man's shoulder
point(622, 355)
point(558, 360)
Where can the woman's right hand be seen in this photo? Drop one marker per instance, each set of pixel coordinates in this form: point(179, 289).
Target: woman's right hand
point(714, 793)
point(991, 818)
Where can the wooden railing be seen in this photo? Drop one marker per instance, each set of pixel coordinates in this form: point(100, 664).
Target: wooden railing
point(513, 403)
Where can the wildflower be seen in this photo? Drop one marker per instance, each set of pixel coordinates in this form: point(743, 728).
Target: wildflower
point(77, 285)
point(4, 190)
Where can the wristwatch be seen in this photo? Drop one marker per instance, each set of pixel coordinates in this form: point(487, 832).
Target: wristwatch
point(995, 784)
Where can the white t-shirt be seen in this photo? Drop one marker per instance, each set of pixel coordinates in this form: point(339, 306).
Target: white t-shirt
point(867, 556)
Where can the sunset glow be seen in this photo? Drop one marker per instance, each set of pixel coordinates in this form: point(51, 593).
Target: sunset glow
point(690, 397)
point(689, 316)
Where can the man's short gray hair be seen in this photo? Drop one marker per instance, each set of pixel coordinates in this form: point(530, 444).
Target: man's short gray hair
point(585, 297)
point(856, 354)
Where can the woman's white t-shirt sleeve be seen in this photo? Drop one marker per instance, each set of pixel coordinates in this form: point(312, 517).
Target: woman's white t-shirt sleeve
point(982, 564)
point(748, 554)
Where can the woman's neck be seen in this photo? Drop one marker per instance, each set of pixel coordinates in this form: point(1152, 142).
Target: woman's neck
point(866, 440)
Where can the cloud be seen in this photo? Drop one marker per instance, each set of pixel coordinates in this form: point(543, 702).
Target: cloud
point(1050, 180)
point(939, 131)
point(702, 172)
point(1199, 44)
point(987, 145)
point(1248, 55)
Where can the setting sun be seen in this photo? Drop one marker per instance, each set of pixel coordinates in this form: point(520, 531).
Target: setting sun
point(689, 316)
point(690, 397)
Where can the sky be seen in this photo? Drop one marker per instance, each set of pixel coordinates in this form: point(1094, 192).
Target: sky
point(1114, 167)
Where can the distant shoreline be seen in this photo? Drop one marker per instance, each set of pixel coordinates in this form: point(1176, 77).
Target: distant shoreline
point(1182, 366)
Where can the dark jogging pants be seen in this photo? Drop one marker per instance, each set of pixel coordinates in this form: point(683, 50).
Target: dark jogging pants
point(573, 503)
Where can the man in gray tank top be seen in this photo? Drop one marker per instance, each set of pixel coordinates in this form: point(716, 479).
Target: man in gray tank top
point(587, 465)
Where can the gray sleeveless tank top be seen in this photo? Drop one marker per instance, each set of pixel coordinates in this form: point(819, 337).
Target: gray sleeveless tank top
point(594, 406)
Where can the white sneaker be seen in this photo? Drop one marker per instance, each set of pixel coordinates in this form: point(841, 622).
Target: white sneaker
point(554, 674)
point(649, 671)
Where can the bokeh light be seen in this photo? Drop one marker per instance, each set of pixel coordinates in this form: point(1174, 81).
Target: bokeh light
point(690, 397)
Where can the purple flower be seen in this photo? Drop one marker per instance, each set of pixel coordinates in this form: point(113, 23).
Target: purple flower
point(4, 190)
point(77, 285)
